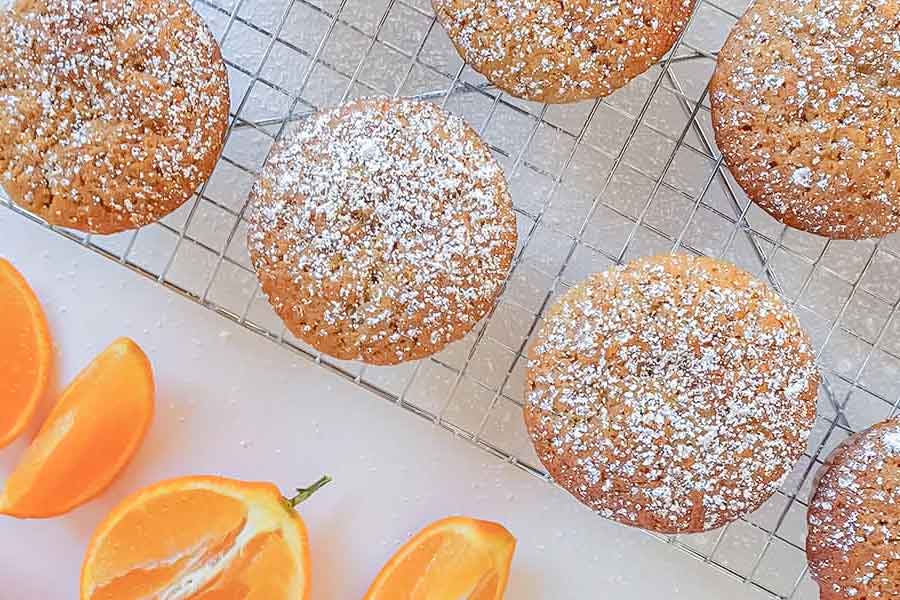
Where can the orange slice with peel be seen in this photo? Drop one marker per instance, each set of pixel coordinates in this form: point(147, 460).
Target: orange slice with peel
point(201, 538)
point(89, 437)
point(454, 558)
point(26, 353)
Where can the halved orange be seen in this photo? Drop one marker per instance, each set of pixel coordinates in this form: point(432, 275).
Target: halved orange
point(89, 437)
point(201, 538)
point(26, 353)
point(453, 558)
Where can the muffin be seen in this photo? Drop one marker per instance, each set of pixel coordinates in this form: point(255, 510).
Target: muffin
point(853, 544)
point(673, 394)
point(381, 230)
point(112, 112)
point(558, 52)
point(806, 113)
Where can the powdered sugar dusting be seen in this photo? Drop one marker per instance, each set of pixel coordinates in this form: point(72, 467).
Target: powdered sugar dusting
point(382, 230)
point(892, 442)
point(673, 393)
point(562, 51)
point(111, 111)
point(854, 517)
point(806, 103)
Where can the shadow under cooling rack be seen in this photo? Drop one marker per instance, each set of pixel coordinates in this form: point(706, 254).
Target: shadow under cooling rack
point(594, 184)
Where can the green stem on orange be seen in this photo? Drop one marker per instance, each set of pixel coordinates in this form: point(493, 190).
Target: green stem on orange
point(304, 494)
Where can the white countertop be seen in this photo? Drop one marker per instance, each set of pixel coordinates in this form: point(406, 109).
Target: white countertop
point(232, 403)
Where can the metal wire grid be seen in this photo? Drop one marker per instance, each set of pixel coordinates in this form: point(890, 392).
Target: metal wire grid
point(594, 184)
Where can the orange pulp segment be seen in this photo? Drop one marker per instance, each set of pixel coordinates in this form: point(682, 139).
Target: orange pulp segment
point(26, 353)
point(454, 558)
point(199, 538)
point(90, 435)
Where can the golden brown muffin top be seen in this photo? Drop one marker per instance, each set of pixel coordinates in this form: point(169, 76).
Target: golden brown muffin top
point(382, 229)
point(552, 51)
point(111, 111)
point(806, 105)
point(674, 393)
point(854, 518)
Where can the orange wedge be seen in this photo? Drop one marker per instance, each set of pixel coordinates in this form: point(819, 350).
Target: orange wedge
point(26, 353)
point(452, 559)
point(201, 538)
point(89, 437)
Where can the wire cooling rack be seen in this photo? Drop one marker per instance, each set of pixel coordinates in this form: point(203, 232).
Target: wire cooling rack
point(594, 184)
